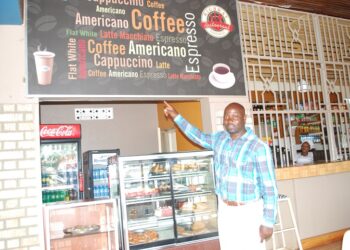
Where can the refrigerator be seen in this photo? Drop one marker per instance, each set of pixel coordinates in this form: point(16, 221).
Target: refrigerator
point(100, 168)
point(60, 157)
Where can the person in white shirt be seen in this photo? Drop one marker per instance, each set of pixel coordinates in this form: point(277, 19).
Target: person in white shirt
point(305, 156)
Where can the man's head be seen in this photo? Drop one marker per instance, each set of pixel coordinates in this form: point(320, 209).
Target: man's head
point(234, 120)
point(305, 148)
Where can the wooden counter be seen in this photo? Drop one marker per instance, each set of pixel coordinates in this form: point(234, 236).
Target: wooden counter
point(313, 208)
point(320, 198)
point(313, 170)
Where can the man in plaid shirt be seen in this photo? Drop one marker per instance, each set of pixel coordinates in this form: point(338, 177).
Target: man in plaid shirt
point(245, 179)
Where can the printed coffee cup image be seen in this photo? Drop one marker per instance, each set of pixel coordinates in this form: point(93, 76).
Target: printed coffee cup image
point(221, 77)
point(44, 64)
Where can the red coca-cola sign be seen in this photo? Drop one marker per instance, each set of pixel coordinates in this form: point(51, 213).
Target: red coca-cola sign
point(59, 131)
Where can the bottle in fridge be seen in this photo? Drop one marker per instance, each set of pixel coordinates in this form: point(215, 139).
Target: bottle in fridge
point(60, 157)
point(99, 173)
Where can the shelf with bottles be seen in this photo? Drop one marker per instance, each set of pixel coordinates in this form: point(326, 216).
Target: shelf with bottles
point(308, 127)
point(58, 194)
point(60, 185)
point(162, 189)
point(82, 225)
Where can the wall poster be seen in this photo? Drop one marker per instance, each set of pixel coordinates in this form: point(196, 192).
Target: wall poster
point(133, 48)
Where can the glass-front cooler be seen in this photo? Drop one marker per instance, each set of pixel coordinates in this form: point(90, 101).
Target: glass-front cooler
point(60, 159)
point(167, 199)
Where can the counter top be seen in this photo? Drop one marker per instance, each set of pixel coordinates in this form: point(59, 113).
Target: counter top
point(312, 170)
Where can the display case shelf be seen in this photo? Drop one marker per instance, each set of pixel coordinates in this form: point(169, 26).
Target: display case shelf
point(145, 200)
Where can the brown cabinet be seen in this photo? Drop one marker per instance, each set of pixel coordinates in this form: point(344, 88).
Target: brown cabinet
point(81, 225)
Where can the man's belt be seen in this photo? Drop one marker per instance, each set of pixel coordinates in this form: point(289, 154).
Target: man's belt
point(233, 203)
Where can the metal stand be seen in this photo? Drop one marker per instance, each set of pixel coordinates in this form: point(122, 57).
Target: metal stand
point(279, 227)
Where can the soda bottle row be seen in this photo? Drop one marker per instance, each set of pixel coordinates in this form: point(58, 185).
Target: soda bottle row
point(101, 191)
point(45, 180)
point(59, 195)
point(100, 174)
point(65, 178)
point(72, 177)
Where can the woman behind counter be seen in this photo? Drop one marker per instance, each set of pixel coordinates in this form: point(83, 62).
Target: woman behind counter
point(305, 157)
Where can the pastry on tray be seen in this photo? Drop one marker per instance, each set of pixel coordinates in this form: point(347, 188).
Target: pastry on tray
point(177, 167)
point(184, 229)
point(198, 226)
point(188, 207)
point(194, 207)
point(164, 211)
point(82, 229)
point(158, 169)
point(191, 228)
point(142, 236)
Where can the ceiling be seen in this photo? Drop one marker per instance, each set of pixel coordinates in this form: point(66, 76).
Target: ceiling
point(336, 8)
point(11, 11)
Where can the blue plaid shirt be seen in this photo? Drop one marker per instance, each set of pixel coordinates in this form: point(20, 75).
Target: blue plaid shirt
point(244, 168)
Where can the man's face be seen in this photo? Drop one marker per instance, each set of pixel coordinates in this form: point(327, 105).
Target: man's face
point(234, 120)
point(305, 147)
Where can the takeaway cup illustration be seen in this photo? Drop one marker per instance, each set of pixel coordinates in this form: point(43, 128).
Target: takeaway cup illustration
point(221, 77)
point(44, 64)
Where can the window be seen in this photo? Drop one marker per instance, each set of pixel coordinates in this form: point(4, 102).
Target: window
point(298, 78)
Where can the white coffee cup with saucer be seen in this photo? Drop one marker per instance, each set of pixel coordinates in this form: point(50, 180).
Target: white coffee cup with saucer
point(221, 77)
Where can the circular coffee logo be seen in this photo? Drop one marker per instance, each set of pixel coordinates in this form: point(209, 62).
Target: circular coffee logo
point(216, 21)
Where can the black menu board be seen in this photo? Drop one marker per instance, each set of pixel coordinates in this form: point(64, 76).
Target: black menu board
point(133, 48)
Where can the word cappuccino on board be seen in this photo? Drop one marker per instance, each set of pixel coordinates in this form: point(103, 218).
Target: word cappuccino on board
point(120, 2)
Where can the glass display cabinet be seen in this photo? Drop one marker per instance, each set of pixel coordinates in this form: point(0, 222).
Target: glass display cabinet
point(82, 225)
point(167, 199)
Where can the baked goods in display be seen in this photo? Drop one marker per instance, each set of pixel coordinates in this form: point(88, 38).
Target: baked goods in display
point(184, 167)
point(158, 169)
point(201, 206)
point(198, 226)
point(177, 167)
point(189, 228)
point(194, 207)
point(140, 192)
point(181, 230)
point(164, 187)
point(164, 211)
point(192, 188)
point(184, 229)
point(188, 207)
point(133, 214)
point(142, 236)
point(82, 229)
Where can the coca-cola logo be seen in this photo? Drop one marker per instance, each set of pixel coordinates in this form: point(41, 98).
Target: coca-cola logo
point(59, 131)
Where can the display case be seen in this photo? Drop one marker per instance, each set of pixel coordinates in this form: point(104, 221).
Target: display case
point(167, 199)
point(82, 225)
